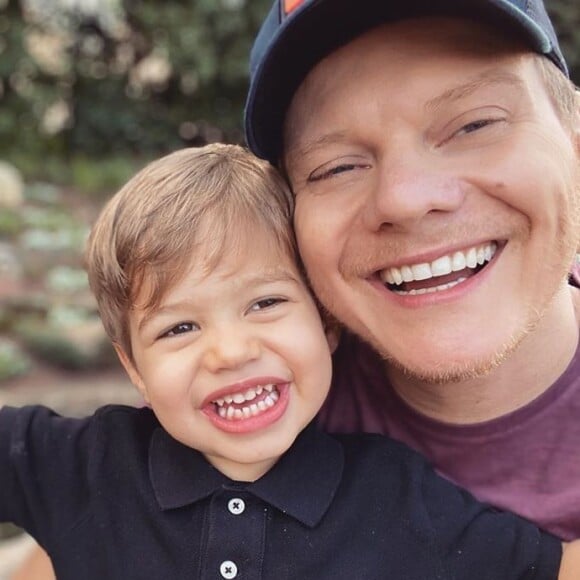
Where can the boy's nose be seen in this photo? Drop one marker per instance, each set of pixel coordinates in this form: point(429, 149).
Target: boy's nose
point(231, 350)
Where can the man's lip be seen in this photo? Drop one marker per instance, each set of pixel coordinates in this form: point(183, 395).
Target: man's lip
point(242, 386)
point(442, 296)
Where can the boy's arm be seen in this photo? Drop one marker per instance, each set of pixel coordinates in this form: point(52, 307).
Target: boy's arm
point(36, 567)
point(570, 566)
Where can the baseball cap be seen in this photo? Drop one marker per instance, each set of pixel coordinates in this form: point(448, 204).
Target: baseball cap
point(297, 34)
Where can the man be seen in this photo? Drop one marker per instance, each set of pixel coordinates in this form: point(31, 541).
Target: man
point(434, 152)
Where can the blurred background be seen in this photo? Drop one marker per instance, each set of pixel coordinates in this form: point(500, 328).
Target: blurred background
point(90, 90)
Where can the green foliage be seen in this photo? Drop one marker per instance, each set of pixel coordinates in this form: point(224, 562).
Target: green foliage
point(566, 17)
point(52, 348)
point(11, 223)
point(13, 361)
point(163, 76)
point(103, 176)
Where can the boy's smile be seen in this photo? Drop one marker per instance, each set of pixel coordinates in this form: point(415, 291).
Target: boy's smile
point(234, 360)
point(248, 406)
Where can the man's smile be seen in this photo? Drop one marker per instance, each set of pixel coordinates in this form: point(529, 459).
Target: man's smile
point(440, 274)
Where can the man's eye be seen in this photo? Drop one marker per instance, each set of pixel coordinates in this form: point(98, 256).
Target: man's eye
point(266, 303)
point(476, 126)
point(181, 328)
point(328, 171)
point(318, 175)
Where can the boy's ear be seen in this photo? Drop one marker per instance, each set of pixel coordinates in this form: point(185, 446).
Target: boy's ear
point(576, 127)
point(132, 371)
point(332, 329)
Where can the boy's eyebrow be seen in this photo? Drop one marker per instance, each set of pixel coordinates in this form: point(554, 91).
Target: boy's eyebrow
point(486, 79)
point(266, 277)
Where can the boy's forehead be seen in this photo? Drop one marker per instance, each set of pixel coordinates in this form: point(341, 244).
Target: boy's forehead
point(246, 250)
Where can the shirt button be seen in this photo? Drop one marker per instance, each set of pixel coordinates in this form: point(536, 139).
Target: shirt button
point(228, 569)
point(236, 506)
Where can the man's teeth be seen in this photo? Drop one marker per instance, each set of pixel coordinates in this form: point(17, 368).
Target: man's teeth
point(471, 258)
point(226, 410)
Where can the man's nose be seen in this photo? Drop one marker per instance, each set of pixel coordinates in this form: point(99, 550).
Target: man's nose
point(408, 191)
point(230, 348)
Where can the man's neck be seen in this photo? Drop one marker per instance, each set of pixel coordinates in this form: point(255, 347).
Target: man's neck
point(536, 364)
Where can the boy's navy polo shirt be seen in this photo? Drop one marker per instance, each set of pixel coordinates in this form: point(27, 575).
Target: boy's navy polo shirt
point(114, 496)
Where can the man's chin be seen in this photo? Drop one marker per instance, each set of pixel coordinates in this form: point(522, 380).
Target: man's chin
point(453, 371)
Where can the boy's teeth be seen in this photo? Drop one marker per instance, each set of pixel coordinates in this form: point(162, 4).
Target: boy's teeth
point(240, 398)
point(442, 266)
point(226, 410)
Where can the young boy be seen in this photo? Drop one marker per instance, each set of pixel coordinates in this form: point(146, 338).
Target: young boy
point(194, 268)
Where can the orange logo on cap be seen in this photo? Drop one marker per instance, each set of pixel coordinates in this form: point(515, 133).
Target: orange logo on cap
point(291, 5)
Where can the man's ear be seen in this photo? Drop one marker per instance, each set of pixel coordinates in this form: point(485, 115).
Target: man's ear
point(132, 371)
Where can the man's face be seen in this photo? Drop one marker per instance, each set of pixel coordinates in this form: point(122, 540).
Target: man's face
point(436, 194)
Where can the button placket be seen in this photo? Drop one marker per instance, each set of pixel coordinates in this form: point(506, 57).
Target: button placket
point(236, 524)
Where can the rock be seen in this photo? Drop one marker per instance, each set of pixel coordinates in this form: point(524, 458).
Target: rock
point(10, 266)
point(11, 186)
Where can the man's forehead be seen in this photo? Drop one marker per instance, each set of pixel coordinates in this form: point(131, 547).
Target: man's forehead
point(394, 48)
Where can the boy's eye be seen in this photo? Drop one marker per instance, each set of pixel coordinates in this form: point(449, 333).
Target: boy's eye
point(181, 328)
point(265, 303)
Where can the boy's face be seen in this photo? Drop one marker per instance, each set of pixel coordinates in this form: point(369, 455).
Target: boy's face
point(234, 363)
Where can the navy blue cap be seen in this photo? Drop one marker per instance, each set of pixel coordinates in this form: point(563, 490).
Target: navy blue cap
point(297, 34)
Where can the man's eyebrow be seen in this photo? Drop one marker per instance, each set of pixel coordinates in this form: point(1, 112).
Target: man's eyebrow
point(310, 146)
point(486, 79)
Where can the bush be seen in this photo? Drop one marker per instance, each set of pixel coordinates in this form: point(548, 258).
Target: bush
point(13, 362)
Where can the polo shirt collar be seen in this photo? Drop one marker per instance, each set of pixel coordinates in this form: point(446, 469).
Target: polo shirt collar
point(302, 484)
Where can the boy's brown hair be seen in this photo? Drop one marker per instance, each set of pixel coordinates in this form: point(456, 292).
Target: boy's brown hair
point(209, 197)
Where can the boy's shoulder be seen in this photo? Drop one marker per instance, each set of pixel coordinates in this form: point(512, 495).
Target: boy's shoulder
point(377, 464)
point(117, 425)
point(363, 450)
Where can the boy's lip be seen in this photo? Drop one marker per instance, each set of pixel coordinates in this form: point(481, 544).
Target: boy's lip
point(262, 415)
